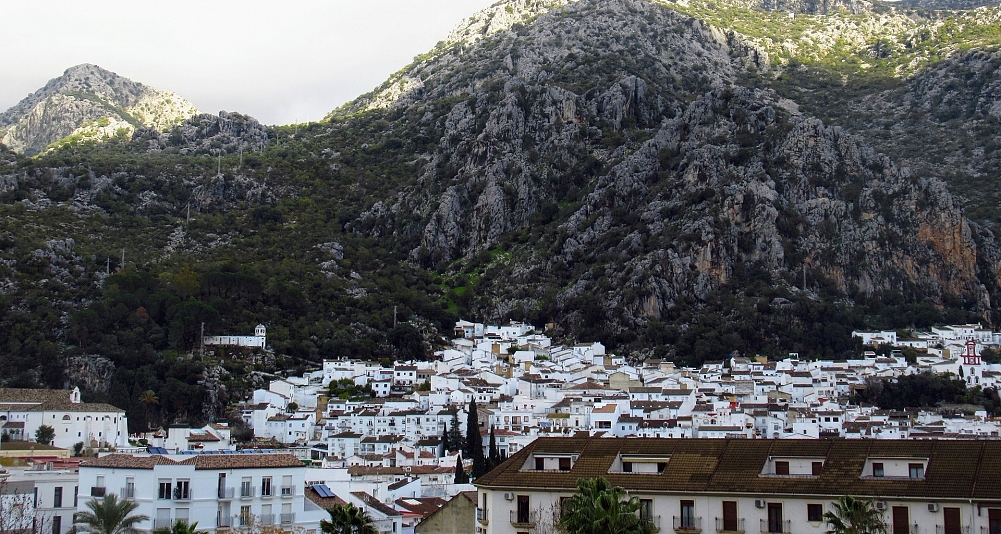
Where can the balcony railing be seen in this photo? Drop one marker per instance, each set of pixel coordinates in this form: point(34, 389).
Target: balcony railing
point(652, 520)
point(288, 519)
point(162, 522)
point(226, 493)
point(687, 524)
point(223, 520)
point(267, 491)
point(481, 516)
point(247, 492)
point(246, 521)
point(737, 523)
point(128, 492)
point(777, 527)
point(267, 519)
point(522, 518)
point(288, 491)
point(965, 529)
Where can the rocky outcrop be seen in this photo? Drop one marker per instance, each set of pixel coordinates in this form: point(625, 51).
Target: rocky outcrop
point(227, 133)
point(623, 124)
point(88, 102)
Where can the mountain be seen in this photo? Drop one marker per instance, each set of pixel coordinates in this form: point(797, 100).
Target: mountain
point(88, 102)
point(677, 180)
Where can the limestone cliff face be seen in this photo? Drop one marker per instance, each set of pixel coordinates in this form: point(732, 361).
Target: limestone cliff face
point(90, 103)
point(621, 127)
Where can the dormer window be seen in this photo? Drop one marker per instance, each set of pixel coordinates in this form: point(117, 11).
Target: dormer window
point(898, 468)
point(550, 462)
point(793, 466)
point(877, 469)
point(916, 470)
point(642, 464)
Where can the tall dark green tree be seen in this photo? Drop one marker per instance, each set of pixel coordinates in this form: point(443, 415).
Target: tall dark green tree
point(474, 441)
point(455, 439)
point(493, 458)
point(460, 472)
point(444, 441)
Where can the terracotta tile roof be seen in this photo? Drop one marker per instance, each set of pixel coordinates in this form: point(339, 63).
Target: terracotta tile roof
point(324, 502)
point(956, 469)
point(372, 502)
point(200, 461)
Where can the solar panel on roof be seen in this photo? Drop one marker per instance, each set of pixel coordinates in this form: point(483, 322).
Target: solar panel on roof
point(323, 491)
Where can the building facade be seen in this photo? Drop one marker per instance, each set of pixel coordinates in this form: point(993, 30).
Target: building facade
point(219, 491)
point(737, 486)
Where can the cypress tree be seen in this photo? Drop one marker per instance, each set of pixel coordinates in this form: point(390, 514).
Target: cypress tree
point(444, 441)
point(474, 441)
point(455, 440)
point(494, 457)
point(460, 474)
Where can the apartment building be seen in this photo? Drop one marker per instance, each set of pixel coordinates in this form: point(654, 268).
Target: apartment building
point(219, 491)
point(738, 486)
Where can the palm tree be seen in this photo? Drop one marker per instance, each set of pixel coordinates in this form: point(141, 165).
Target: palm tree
point(598, 507)
point(855, 516)
point(148, 398)
point(110, 515)
point(348, 519)
point(179, 527)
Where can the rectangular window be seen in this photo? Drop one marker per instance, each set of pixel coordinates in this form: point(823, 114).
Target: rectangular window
point(182, 491)
point(950, 516)
point(564, 464)
point(877, 469)
point(522, 512)
point(266, 487)
point(646, 509)
point(688, 515)
point(774, 517)
point(246, 489)
point(627, 467)
point(994, 520)
point(900, 520)
point(245, 516)
point(781, 468)
point(164, 492)
point(57, 524)
point(76, 496)
point(817, 468)
point(129, 492)
point(730, 516)
point(814, 513)
point(916, 470)
point(57, 498)
point(287, 489)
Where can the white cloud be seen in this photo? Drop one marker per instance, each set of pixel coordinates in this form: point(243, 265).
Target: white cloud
point(280, 62)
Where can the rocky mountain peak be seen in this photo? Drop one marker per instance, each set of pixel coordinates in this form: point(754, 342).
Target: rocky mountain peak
point(89, 103)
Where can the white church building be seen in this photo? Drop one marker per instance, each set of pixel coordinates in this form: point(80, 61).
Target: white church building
point(258, 340)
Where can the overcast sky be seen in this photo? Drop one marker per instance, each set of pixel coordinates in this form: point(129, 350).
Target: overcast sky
point(280, 62)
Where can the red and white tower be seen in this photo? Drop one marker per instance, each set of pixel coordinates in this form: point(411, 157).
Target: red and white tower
point(970, 357)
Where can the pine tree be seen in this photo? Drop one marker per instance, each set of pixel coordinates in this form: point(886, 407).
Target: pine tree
point(456, 441)
point(460, 474)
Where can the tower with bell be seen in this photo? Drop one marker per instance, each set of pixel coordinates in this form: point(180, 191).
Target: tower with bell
point(970, 357)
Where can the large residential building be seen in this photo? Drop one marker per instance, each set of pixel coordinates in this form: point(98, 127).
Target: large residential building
point(219, 491)
point(736, 486)
point(23, 411)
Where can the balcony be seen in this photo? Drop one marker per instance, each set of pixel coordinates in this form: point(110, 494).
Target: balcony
point(687, 524)
point(776, 527)
point(222, 520)
point(736, 527)
point(288, 519)
point(182, 493)
point(965, 529)
point(652, 520)
point(226, 493)
point(267, 492)
point(481, 516)
point(128, 492)
point(267, 519)
point(247, 492)
point(162, 522)
point(287, 491)
point(523, 519)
